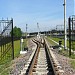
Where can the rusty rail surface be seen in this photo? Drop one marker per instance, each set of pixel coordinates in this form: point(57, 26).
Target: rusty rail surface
point(32, 68)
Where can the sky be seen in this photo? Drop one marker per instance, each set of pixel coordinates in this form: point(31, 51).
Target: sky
point(47, 13)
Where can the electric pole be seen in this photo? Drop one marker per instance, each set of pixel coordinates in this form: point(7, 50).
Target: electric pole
point(74, 7)
point(38, 30)
point(65, 33)
point(38, 27)
point(26, 33)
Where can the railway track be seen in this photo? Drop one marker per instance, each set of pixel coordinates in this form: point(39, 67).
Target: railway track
point(40, 63)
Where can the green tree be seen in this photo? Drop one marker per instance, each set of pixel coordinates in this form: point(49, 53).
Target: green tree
point(17, 32)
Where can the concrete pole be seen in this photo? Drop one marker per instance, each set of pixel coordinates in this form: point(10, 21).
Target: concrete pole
point(26, 31)
point(38, 28)
point(74, 7)
point(65, 40)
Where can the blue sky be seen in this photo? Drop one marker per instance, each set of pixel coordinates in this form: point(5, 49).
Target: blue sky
point(48, 13)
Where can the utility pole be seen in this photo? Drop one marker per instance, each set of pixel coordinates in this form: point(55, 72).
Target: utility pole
point(26, 31)
point(12, 40)
point(39, 32)
point(74, 7)
point(69, 20)
point(38, 27)
point(65, 33)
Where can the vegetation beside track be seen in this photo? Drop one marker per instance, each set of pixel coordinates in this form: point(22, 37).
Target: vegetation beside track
point(4, 68)
point(63, 52)
point(72, 62)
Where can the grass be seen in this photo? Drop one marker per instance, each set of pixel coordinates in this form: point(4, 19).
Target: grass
point(72, 62)
point(64, 52)
point(16, 48)
point(25, 42)
point(5, 72)
point(59, 39)
point(4, 69)
point(48, 38)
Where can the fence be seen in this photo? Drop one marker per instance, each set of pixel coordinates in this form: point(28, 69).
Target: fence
point(71, 32)
point(6, 40)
